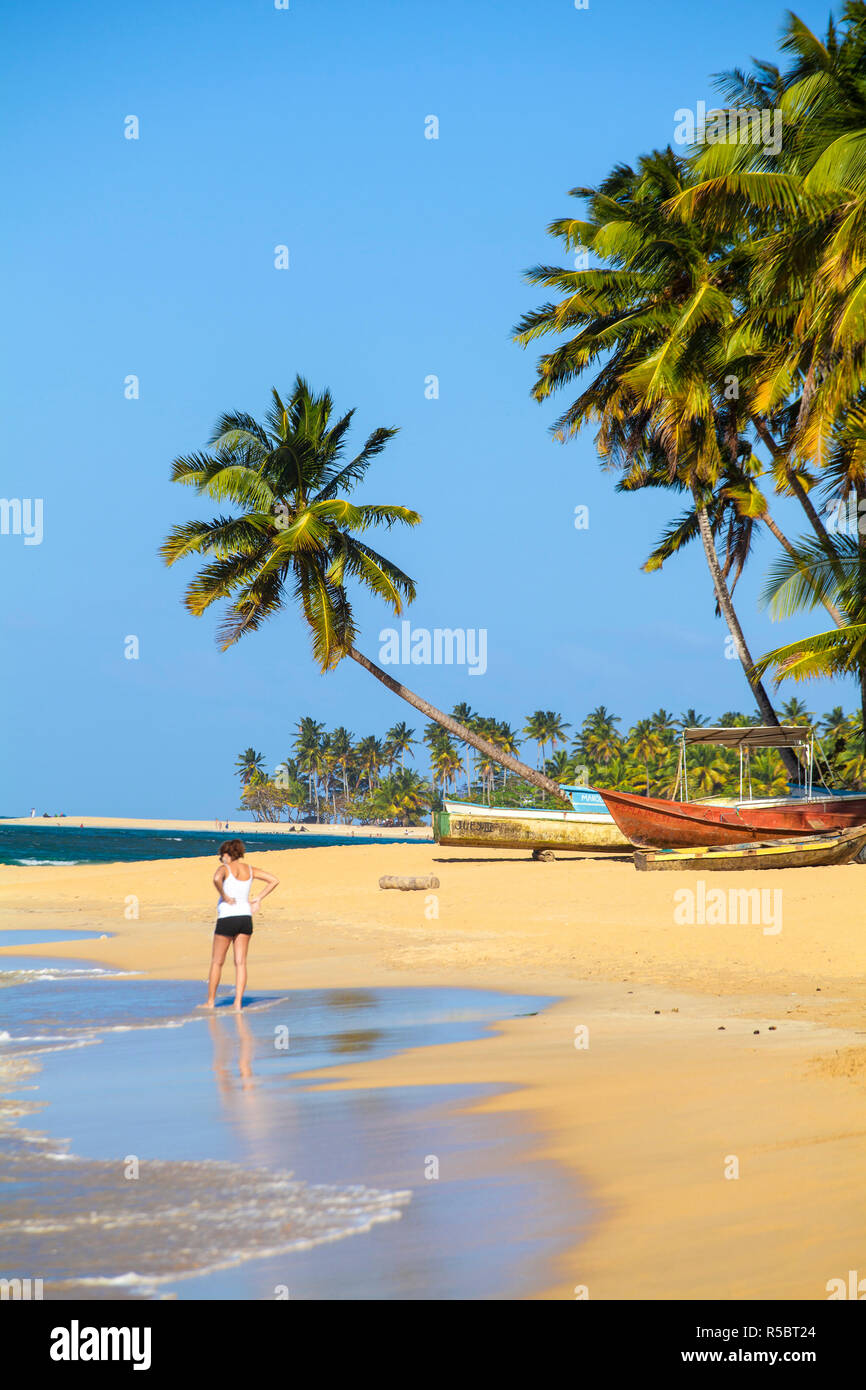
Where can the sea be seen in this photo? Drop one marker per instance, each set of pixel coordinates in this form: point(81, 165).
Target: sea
point(72, 844)
point(152, 1150)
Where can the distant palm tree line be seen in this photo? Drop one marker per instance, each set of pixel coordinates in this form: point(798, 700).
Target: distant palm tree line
point(331, 776)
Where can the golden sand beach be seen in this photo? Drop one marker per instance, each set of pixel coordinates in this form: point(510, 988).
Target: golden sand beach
point(710, 1050)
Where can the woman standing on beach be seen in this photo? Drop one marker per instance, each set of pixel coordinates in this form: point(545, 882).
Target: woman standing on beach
point(233, 881)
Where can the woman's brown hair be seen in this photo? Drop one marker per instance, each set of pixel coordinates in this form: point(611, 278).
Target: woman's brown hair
point(235, 848)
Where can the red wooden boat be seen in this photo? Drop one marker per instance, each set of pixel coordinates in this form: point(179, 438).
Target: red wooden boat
point(654, 823)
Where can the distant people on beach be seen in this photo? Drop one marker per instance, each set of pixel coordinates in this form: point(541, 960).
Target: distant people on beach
point(235, 910)
point(32, 812)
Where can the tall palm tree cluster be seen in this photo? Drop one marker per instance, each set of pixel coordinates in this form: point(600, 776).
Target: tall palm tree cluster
point(715, 326)
point(646, 758)
point(331, 777)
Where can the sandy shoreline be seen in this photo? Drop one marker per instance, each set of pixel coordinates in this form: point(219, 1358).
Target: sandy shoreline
point(239, 828)
point(675, 1085)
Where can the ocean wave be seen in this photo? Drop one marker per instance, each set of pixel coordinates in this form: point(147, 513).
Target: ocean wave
point(177, 1220)
point(58, 972)
point(42, 862)
point(67, 1045)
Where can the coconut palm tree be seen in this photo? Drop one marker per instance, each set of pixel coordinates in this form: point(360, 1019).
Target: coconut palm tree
point(598, 739)
point(708, 770)
point(734, 719)
point(841, 651)
point(535, 728)
point(341, 749)
point(644, 743)
point(664, 724)
point(766, 773)
point(248, 764)
point(734, 508)
point(690, 719)
point(288, 781)
point(799, 212)
point(369, 759)
point(403, 796)
point(298, 536)
point(307, 749)
point(657, 319)
point(399, 740)
point(554, 728)
point(795, 712)
point(446, 764)
point(464, 715)
point(560, 766)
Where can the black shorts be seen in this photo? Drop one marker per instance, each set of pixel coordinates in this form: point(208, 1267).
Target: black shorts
point(233, 926)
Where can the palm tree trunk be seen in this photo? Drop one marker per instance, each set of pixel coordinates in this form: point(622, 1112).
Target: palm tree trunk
point(796, 486)
point(458, 730)
point(786, 545)
point(762, 700)
point(861, 553)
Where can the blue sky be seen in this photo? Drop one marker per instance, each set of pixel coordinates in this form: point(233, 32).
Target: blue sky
point(155, 257)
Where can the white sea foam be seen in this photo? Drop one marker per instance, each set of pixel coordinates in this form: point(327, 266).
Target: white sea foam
point(54, 972)
point(43, 862)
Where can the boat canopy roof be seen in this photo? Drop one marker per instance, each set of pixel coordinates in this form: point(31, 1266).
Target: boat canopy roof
point(753, 736)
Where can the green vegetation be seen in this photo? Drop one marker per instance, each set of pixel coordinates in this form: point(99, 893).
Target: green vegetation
point(298, 538)
point(333, 778)
point(716, 325)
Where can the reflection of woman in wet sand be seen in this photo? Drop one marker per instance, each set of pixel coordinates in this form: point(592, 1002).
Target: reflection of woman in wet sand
point(235, 909)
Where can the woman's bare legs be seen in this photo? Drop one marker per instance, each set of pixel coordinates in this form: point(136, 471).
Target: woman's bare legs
point(220, 949)
point(241, 947)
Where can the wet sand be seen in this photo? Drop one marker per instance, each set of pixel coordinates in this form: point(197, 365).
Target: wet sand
point(712, 1050)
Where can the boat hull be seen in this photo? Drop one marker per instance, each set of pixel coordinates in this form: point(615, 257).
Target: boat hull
point(653, 823)
point(486, 827)
point(811, 851)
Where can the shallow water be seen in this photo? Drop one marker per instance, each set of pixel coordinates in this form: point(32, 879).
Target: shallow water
point(150, 1149)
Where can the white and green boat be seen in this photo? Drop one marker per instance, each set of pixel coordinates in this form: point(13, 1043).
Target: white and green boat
point(542, 830)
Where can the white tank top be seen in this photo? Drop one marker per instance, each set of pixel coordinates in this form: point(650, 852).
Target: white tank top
point(239, 889)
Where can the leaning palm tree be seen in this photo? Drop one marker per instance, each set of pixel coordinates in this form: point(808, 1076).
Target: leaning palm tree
point(298, 536)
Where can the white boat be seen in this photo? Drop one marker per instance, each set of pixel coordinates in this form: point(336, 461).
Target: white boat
point(539, 829)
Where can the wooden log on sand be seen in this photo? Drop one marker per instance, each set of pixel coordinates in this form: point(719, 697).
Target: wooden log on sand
point(408, 885)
